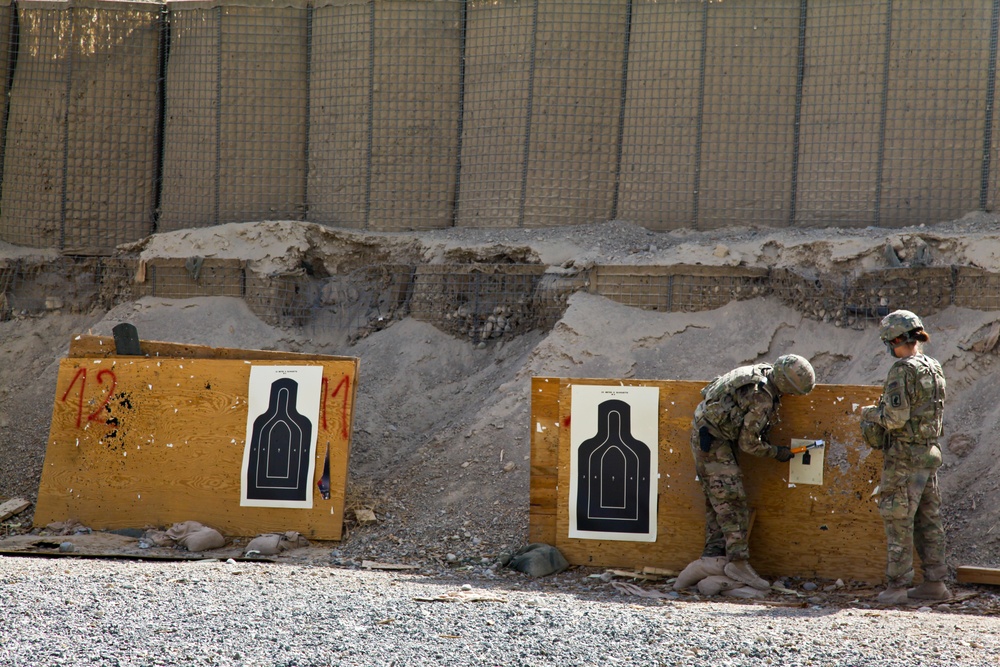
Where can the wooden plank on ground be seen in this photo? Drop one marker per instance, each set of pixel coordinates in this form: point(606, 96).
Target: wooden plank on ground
point(13, 506)
point(139, 441)
point(968, 574)
point(832, 531)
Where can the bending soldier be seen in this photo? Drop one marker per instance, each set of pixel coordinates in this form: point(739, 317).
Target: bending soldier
point(906, 424)
point(736, 412)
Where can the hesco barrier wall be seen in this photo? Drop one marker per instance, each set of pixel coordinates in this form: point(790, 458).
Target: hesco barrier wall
point(482, 302)
point(127, 118)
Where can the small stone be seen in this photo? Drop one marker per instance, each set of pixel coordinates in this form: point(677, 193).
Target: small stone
point(809, 586)
point(466, 587)
point(451, 558)
point(67, 547)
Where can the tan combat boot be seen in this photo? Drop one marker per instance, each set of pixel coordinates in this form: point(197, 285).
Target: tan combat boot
point(929, 590)
point(893, 596)
point(741, 571)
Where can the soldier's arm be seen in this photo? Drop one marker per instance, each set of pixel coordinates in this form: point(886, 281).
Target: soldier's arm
point(893, 410)
point(759, 410)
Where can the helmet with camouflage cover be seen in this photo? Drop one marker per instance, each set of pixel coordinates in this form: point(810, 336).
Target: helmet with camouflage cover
point(793, 375)
point(901, 324)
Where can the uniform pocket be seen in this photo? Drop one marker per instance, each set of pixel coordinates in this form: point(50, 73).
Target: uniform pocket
point(894, 504)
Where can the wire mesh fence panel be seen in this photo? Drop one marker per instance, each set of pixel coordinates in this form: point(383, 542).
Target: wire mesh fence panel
point(976, 288)
point(935, 110)
point(8, 29)
point(246, 83)
point(339, 112)
point(870, 296)
point(264, 104)
point(112, 126)
point(190, 177)
point(495, 106)
point(840, 135)
point(661, 116)
point(678, 288)
point(991, 146)
point(79, 159)
point(416, 107)
point(571, 144)
point(477, 302)
point(34, 186)
point(124, 118)
point(35, 286)
point(748, 126)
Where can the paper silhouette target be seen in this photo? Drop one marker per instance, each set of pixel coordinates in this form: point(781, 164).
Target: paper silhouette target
point(613, 463)
point(279, 459)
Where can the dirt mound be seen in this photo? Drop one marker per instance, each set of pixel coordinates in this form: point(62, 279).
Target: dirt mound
point(441, 443)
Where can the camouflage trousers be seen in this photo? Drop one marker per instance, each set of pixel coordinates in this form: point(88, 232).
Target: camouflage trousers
point(727, 515)
point(910, 505)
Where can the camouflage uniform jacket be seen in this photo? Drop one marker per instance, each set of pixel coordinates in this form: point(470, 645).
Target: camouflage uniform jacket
point(739, 406)
point(912, 410)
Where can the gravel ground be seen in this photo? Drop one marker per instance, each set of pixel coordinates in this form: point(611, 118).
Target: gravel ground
point(75, 611)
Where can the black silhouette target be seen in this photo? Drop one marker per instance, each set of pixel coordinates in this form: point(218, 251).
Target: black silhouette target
point(613, 475)
point(280, 448)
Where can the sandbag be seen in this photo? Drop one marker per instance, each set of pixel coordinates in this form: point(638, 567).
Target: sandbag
point(715, 584)
point(706, 566)
point(274, 543)
point(193, 536)
point(539, 560)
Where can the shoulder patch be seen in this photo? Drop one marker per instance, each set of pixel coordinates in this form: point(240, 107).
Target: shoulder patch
point(894, 400)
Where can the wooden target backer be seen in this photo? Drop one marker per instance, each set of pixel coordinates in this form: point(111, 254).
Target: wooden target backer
point(153, 440)
point(830, 531)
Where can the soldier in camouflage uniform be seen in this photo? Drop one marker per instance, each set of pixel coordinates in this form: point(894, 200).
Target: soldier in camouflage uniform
point(905, 425)
point(736, 412)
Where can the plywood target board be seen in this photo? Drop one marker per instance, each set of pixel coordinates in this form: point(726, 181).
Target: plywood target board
point(148, 440)
point(828, 530)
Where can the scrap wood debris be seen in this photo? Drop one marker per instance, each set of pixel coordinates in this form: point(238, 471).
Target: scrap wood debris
point(13, 506)
point(646, 574)
point(461, 596)
point(374, 565)
point(632, 589)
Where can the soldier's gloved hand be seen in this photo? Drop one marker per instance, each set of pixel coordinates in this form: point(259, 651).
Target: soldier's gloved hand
point(784, 454)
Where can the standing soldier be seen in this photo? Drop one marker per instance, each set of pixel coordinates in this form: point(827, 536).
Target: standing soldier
point(905, 425)
point(736, 412)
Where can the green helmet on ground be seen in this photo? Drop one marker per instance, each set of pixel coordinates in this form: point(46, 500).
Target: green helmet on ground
point(793, 375)
point(900, 323)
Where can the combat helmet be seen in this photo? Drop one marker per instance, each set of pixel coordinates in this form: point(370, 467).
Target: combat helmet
point(793, 374)
point(901, 324)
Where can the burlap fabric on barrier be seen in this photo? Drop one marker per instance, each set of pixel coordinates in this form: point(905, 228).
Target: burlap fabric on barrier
point(936, 97)
point(416, 93)
point(749, 120)
point(575, 109)
point(660, 134)
point(236, 113)
point(497, 89)
point(339, 122)
point(79, 162)
point(385, 113)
